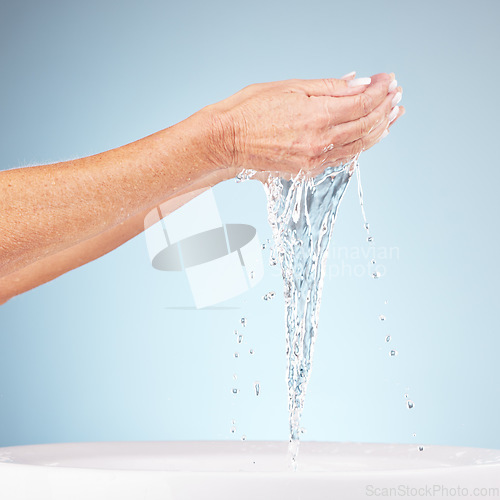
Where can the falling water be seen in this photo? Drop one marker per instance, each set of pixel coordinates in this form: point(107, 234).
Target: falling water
point(302, 212)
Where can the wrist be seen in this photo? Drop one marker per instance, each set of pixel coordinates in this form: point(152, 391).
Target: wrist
point(220, 139)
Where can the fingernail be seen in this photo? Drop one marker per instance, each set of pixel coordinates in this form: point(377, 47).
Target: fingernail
point(393, 114)
point(349, 75)
point(392, 86)
point(396, 99)
point(359, 81)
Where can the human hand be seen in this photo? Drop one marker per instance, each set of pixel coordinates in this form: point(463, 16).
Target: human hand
point(306, 125)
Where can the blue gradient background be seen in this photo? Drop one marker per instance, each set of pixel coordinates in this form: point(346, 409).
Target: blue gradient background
point(99, 354)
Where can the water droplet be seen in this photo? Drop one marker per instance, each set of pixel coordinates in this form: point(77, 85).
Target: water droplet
point(272, 261)
point(243, 438)
point(243, 321)
point(369, 239)
point(233, 421)
point(393, 353)
point(388, 338)
point(410, 404)
point(381, 317)
point(263, 246)
point(269, 296)
point(236, 354)
point(236, 332)
point(251, 351)
point(420, 448)
point(235, 391)
point(240, 339)
point(367, 226)
point(233, 429)
point(235, 377)
point(414, 434)
point(406, 396)
point(376, 275)
point(251, 275)
point(256, 386)
point(386, 302)
point(373, 261)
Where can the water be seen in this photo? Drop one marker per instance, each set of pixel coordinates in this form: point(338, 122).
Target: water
point(302, 212)
point(256, 386)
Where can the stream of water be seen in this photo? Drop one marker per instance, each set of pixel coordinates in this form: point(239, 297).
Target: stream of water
point(302, 212)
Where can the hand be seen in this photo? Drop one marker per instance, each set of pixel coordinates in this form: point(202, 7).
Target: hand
point(304, 124)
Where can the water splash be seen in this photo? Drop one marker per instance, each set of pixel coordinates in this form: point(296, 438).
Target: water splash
point(302, 212)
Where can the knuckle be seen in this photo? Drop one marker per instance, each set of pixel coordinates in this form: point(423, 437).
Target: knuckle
point(365, 103)
point(364, 126)
point(328, 84)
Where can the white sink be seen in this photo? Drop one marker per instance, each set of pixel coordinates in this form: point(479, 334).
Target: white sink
point(241, 470)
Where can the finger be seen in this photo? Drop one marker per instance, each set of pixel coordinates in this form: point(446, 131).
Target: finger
point(363, 143)
point(346, 133)
point(330, 87)
point(346, 109)
point(401, 112)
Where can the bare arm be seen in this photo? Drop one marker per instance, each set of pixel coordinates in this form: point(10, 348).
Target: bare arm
point(54, 218)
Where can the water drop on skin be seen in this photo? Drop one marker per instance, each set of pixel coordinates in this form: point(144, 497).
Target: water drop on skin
point(256, 386)
point(388, 338)
point(410, 404)
point(393, 354)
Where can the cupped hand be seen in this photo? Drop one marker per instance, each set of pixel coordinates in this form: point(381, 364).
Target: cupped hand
point(306, 125)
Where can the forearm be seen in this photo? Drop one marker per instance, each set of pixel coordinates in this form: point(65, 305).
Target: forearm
point(89, 206)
